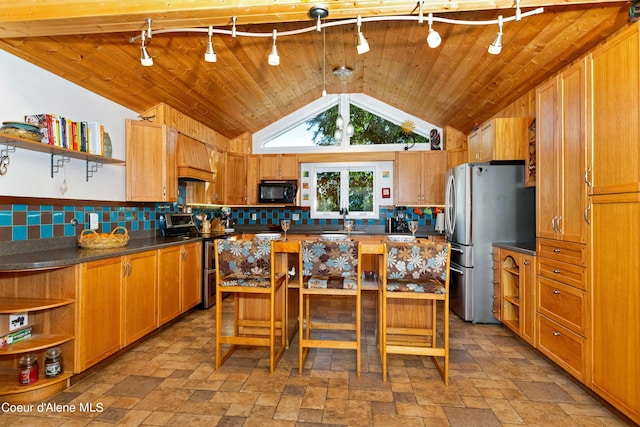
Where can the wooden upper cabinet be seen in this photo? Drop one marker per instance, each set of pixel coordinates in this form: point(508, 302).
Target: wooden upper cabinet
point(236, 179)
point(215, 189)
point(561, 156)
point(279, 166)
point(499, 139)
point(615, 156)
point(419, 177)
point(253, 163)
point(151, 171)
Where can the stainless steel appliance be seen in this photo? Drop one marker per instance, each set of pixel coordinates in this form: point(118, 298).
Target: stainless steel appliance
point(484, 203)
point(277, 191)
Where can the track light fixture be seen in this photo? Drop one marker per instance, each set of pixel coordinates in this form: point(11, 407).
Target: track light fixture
point(274, 58)
point(210, 54)
point(433, 38)
point(320, 12)
point(496, 46)
point(363, 44)
point(145, 58)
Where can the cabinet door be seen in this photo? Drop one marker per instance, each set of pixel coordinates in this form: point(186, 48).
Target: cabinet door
point(487, 135)
point(528, 303)
point(169, 307)
point(269, 166)
point(408, 174)
point(616, 297)
point(98, 329)
point(434, 168)
point(215, 189)
point(253, 178)
point(139, 296)
point(191, 275)
point(547, 191)
point(616, 115)
point(151, 144)
point(473, 144)
point(288, 165)
point(236, 181)
point(572, 189)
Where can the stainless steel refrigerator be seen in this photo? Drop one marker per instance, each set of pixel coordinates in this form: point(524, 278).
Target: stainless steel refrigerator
point(484, 203)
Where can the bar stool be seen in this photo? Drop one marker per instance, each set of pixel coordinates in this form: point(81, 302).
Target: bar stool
point(331, 269)
point(245, 269)
point(415, 271)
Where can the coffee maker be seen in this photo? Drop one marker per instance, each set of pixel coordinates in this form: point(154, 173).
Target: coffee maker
point(399, 223)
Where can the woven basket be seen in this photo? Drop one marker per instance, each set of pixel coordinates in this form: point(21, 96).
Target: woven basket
point(90, 239)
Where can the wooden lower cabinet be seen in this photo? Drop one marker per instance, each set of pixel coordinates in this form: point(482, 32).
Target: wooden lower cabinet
point(615, 276)
point(515, 284)
point(190, 275)
point(562, 306)
point(168, 283)
point(138, 296)
point(99, 312)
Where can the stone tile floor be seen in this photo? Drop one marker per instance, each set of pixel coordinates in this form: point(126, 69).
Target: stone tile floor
point(169, 380)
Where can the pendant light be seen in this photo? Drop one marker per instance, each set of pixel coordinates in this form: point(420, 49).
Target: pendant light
point(210, 54)
point(274, 58)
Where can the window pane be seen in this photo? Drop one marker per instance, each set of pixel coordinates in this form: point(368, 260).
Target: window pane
point(323, 127)
point(370, 129)
point(328, 191)
point(361, 191)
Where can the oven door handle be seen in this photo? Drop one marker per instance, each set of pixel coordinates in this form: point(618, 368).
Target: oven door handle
point(456, 270)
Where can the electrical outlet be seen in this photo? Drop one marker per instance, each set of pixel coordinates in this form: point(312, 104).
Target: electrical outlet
point(254, 217)
point(295, 217)
point(93, 221)
point(18, 320)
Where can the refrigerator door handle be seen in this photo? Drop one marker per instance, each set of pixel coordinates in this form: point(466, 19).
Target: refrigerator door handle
point(450, 209)
point(456, 270)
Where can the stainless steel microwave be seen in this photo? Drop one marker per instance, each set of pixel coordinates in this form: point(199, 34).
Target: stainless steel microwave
point(277, 191)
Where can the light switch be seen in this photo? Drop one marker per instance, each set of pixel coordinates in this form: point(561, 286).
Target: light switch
point(295, 217)
point(93, 221)
point(254, 217)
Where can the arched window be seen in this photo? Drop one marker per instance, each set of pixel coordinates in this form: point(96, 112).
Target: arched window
point(365, 124)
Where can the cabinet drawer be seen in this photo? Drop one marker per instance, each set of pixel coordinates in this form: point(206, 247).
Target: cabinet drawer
point(561, 345)
point(569, 274)
point(569, 252)
point(562, 303)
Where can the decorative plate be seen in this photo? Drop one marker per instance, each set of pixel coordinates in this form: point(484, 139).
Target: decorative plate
point(21, 125)
point(268, 236)
point(334, 237)
point(400, 238)
point(22, 133)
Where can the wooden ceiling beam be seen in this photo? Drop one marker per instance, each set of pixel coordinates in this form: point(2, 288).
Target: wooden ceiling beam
point(72, 17)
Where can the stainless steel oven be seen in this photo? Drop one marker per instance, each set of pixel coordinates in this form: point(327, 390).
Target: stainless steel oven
point(208, 275)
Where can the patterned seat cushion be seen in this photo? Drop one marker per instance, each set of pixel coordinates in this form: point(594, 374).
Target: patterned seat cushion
point(330, 282)
point(416, 266)
point(245, 263)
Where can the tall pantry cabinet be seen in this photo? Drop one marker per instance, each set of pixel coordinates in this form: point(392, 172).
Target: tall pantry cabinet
point(562, 292)
point(615, 220)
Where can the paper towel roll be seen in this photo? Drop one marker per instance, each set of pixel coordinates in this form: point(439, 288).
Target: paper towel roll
point(440, 222)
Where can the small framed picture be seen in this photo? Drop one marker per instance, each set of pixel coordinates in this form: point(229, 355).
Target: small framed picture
point(386, 193)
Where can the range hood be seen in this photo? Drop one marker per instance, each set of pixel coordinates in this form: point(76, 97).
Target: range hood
point(193, 160)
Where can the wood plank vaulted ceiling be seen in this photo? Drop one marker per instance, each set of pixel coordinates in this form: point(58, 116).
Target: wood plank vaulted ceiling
point(457, 84)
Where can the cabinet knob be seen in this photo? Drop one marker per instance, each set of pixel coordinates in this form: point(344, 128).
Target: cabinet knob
point(556, 270)
point(556, 250)
point(526, 263)
point(556, 292)
point(556, 333)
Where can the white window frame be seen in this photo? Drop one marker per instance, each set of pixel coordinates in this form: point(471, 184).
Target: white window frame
point(344, 169)
point(316, 107)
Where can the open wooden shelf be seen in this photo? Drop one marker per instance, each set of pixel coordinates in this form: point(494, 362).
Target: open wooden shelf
point(18, 305)
point(34, 343)
point(14, 392)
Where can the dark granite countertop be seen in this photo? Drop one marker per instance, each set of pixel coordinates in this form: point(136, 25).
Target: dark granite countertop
point(54, 257)
point(528, 248)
